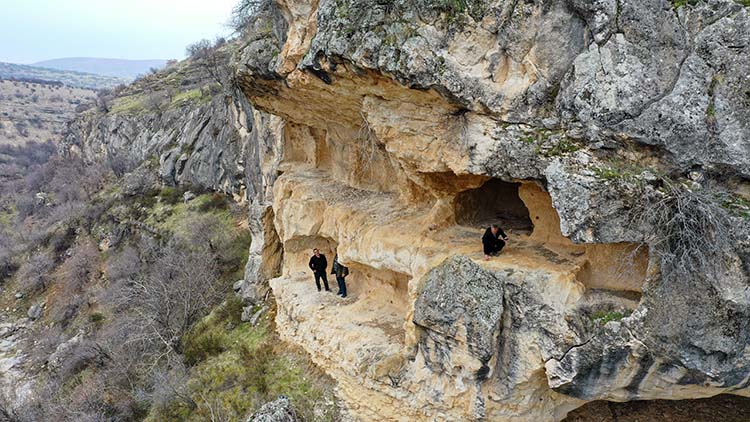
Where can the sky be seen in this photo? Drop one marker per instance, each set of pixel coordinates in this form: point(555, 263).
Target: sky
point(36, 30)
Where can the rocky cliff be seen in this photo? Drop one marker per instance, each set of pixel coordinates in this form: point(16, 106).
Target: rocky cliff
point(610, 139)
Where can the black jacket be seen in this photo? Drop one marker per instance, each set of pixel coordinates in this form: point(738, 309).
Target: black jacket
point(493, 243)
point(318, 263)
point(340, 270)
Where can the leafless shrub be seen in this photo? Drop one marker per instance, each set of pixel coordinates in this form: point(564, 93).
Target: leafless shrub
point(180, 288)
point(199, 50)
point(121, 162)
point(170, 386)
point(689, 230)
point(124, 265)
point(156, 101)
point(204, 231)
point(80, 269)
point(35, 273)
point(104, 98)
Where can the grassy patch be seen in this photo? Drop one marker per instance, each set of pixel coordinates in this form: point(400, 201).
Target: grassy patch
point(7, 216)
point(601, 318)
point(171, 195)
point(738, 205)
point(550, 143)
point(680, 3)
point(188, 97)
point(97, 318)
point(128, 104)
point(619, 169)
point(236, 368)
point(563, 147)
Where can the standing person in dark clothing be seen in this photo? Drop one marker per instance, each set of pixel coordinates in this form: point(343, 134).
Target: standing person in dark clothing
point(341, 272)
point(493, 241)
point(318, 264)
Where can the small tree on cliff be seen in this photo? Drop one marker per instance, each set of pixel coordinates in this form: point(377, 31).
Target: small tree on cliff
point(214, 61)
point(199, 50)
point(245, 12)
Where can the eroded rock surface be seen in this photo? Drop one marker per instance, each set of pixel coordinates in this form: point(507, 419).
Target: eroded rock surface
point(370, 120)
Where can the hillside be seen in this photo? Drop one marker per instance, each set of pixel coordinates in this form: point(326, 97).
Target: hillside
point(69, 78)
point(119, 68)
point(37, 111)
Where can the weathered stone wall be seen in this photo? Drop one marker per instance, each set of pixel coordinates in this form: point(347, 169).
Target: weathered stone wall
point(369, 120)
point(393, 109)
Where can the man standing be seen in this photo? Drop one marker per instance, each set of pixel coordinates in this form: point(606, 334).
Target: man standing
point(318, 264)
point(341, 272)
point(493, 241)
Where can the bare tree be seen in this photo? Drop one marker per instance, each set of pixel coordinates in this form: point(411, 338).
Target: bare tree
point(199, 50)
point(245, 12)
point(179, 290)
point(35, 272)
point(156, 101)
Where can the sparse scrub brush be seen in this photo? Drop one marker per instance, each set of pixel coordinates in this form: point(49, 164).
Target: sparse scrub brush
point(691, 232)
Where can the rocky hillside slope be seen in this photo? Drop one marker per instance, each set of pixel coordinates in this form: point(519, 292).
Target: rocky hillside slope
point(610, 138)
point(37, 112)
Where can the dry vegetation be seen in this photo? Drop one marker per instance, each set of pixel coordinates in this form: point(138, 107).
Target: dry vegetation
point(37, 111)
point(139, 320)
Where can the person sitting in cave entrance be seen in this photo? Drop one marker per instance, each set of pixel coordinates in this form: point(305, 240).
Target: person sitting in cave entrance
point(341, 272)
point(318, 264)
point(493, 241)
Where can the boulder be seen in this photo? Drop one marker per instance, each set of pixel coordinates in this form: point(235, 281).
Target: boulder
point(35, 311)
point(279, 410)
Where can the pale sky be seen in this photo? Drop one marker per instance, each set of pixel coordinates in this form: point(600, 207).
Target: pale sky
point(36, 30)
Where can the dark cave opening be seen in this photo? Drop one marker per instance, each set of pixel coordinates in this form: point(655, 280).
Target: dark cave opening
point(495, 201)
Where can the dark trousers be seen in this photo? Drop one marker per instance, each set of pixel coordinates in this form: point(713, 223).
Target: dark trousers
point(494, 249)
point(342, 286)
point(318, 276)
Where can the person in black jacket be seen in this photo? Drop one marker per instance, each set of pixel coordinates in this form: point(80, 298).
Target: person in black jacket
point(493, 241)
point(318, 264)
point(341, 271)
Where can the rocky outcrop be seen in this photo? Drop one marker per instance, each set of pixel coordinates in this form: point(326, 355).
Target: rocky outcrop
point(580, 112)
point(279, 410)
point(392, 133)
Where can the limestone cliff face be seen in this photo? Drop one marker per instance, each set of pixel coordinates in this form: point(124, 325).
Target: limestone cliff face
point(405, 121)
point(391, 132)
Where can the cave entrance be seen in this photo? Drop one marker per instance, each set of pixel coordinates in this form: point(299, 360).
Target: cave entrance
point(495, 201)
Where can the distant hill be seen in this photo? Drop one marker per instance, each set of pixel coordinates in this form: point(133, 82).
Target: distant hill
point(69, 78)
point(128, 69)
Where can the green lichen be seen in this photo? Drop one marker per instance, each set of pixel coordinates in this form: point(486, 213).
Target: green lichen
point(680, 3)
point(456, 11)
point(737, 205)
point(602, 318)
